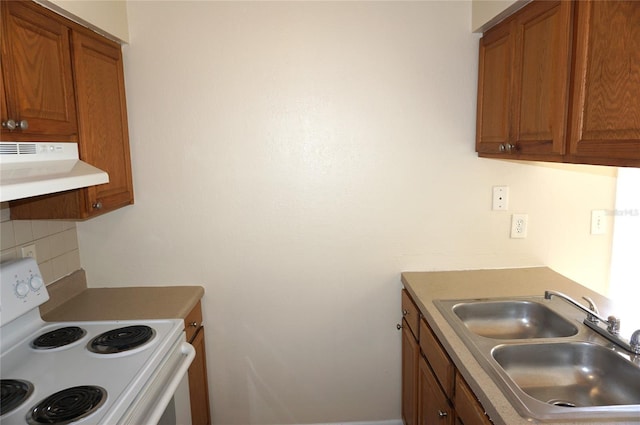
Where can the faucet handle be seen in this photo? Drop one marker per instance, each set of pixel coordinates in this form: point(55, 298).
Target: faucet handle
point(634, 342)
point(592, 307)
point(614, 325)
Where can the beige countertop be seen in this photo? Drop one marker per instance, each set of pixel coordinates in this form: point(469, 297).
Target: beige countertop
point(425, 287)
point(71, 300)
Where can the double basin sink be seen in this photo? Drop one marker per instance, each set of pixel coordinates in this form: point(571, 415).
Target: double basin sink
point(545, 360)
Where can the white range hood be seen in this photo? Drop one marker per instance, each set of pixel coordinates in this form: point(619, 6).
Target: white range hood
point(30, 169)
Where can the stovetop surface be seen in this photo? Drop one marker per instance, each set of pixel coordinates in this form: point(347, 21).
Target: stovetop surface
point(120, 374)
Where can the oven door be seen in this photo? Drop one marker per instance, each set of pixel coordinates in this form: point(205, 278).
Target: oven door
point(178, 411)
point(163, 397)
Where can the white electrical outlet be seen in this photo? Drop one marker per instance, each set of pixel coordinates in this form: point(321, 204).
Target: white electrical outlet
point(598, 222)
point(500, 198)
point(519, 225)
point(29, 251)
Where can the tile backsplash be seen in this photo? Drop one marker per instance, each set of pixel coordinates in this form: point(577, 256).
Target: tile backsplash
point(56, 243)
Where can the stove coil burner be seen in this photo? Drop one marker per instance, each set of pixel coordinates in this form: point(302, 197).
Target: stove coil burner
point(121, 339)
point(13, 393)
point(68, 405)
point(58, 338)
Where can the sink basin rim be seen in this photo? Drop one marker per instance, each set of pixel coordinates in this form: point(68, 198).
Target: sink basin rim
point(513, 319)
point(588, 352)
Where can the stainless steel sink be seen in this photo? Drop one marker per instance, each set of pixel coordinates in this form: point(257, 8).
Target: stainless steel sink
point(545, 360)
point(573, 374)
point(513, 319)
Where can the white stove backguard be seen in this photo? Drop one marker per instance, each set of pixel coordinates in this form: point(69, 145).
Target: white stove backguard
point(21, 289)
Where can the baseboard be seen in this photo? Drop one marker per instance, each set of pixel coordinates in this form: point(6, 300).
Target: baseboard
point(391, 422)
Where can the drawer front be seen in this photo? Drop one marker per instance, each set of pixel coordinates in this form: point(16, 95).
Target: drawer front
point(437, 358)
point(193, 322)
point(434, 407)
point(410, 313)
point(468, 408)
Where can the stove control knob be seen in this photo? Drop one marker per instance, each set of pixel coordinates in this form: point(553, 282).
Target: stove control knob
point(36, 282)
point(22, 289)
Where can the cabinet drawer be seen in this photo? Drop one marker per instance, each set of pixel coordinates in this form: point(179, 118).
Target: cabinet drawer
point(434, 407)
point(437, 358)
point(193, 321)
point(468, 408)
point(410, 313)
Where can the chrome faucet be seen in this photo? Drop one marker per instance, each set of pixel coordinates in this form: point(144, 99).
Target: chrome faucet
point(592, 307)
point(593, 315)
point(634, 342)
point(594, 318)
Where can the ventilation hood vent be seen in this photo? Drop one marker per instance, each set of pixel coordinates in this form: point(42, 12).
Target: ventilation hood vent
point(32, 169)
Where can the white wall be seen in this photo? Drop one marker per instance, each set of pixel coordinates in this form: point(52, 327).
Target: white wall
point(486, 13)
point(294, 158)
point(625, 270)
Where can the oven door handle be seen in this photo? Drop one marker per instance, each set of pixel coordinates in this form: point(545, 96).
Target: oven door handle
point(189, 354)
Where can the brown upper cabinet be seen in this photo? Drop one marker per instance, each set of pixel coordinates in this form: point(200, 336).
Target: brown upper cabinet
point(560, 81)
point(38, 96)
point(99, 116)
point(102, 111)
point(605, 108)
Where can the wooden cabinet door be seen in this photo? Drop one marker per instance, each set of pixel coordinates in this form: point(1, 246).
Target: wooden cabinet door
point(193, 322)
point(198, 387)
point(433, 405)
point(410, 356)
point(541, 78)
point(411, 314)
point(468, 408)
point(493, 127)
point(523, 81)
point(606, 87)
point(104, 135)
point(37, 73)
point(438, 359)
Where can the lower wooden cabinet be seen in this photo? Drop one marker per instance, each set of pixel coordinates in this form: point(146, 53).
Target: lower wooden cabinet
point(198, 384)
point(410, 356)
point(433, 405)
point(438, 360)
point(433, 391)
point(468, 408)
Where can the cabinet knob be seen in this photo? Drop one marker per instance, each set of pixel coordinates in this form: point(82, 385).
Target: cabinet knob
point(506, 147)
point(442, 414)
point(193, 324)
point(97, 205)
point(9, 125)
point(12, 125)
point(404, 312)
point(398, 326)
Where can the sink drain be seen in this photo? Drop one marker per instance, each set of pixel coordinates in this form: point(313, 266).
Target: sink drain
point(562, 403)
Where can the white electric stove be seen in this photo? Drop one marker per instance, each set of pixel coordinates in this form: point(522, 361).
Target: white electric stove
point(101, 372)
